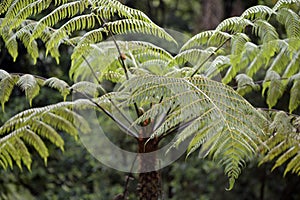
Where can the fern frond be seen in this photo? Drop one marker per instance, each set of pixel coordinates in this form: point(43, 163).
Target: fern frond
point(29, 84)
point(265, 31)
point(283, 145)
point(137, 26)
point(192, 56)
point(217, 66)
point(67, 10)
point(4, 5)
point(284, 3)
point(33, 8)
point(245, 84)
point(207, 112)
point(294, 102)
point(7, 83)
point(275, 87)
point(234, 24)
point(30, 126)
point(58, 84)
point(106, 9)
point(33, 139)
point(293, 66)
point(257, 12)
point(205, 38)
point(88, 88)
point(291, 22)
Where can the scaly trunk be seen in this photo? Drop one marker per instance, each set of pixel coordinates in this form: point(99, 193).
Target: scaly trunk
point(149, 181)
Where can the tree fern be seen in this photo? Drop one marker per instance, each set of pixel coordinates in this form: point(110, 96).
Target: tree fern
point(209, 114)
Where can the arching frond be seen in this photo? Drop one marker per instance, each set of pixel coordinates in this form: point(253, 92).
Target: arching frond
point(29, 84)
point(295, 96)
point(284, 3)
point(284, 143)
point(245, 84)
point(137, 26)
point(64, 11)
point(106, 9)
point(7, 83)
point(193, 56)
point(34, 125)
point(205, 38)
point(211, 115)
point(217, 66)
point(234, 24)
point(275, 87)
point(4, 5)
point(107, 54)
point(58, 84)
point(291, 21)
point(257, 12)
point(265, 31)
point(88, 88)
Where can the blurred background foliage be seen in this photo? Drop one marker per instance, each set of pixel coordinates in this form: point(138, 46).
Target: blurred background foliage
point(76, 174)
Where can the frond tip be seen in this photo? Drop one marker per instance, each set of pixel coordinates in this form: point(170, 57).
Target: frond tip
point(32, 126)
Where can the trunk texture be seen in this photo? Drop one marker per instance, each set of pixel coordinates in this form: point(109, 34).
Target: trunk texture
point(149, 186)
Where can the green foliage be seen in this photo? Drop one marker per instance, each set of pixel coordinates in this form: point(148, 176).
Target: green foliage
point(177, 98)
point(209, 113)
point(284, 142)
point(265, 54)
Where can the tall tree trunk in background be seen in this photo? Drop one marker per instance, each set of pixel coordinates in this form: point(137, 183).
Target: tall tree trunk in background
point(149, 183)
point(212, 12)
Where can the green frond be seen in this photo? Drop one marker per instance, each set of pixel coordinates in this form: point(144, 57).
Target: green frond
point(155, 66)
point(24, 34)
point(67, 10)
point(15, 7)
point(33, 125)
point(280, 62)
point(4, 5)
point(290, 20)
point(238, 42)
point(265, 54)
point(12, 142)
point(7, 84)
point(283, 3)
point(205, 38)
point(59, 85)
point(136, 53)
point(275, 87)
point(46, 131)
point(193, 56)
point(33, 139)
point(81, 22)
point(245, 84)
point(257, 12)
point(87, 88)
point(265, 31)
point(293, 65)
point(106, 9)
point(29, 84)
point(234, 24)
point(217, 66)
point(34, 8)
point(137, 26)
point(207, 112)
point(294, 96)
point(10, 42)
point(283, 144)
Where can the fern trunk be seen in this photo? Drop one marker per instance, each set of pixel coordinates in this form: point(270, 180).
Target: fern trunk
point(149, 182)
